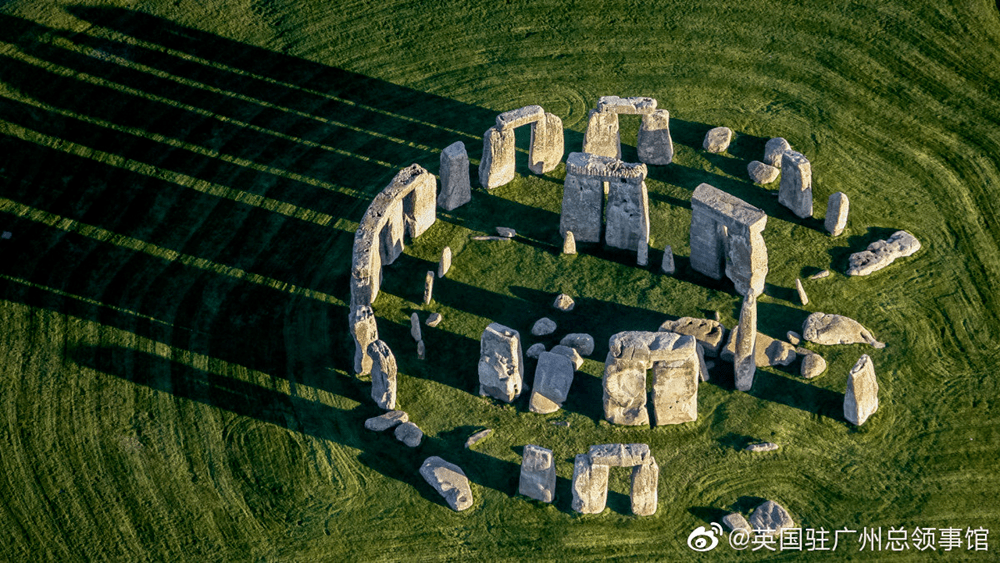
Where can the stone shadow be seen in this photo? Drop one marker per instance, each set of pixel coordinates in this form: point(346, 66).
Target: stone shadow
point(788, 390)
point(708, 514)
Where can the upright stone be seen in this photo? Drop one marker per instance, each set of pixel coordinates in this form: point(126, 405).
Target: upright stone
point(449, 481)
point(553, 378)
point(795, 189)
point(569, 243)
point(837, 209)
point(602, 137)
point(803, 298)
point(497, 165)
point(546, 149)
point(668, 260)
point(428, 288)
point(861, 398)
point(501, 364)
point(456, 188)
point(745, 362)
point(717, 139)
point(365, 331)
point(582, 204)
point(746, 259)
point(415, 328)
point(538, 474)
point(645, 480)
point(675, 386)
point(627, 225)
point(420, 205)
point(654, 144)
point(590, 485)
point(445, 264)
point(625, 391)
point(383, 375)
point(773, 150)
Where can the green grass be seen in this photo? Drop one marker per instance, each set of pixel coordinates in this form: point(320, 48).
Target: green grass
point(182, 181)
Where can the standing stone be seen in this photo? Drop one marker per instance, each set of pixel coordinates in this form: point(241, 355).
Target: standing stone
point(421, 350)
point(428, 288)
point(590, 485)
point(837, 209)
point(668, 260)
point(803, 298)
point(645, 480)
point(583, 343)
point(582, 204)
point(675, 388)
point(501, 364)
point(654, 143)
point(627, 215)
point(409, 434)
point(449, 481)
point(881, 253)
point(773, 150)
point(772, 517)
point(625, 391)
point(497, 165)
point(384, 373)
point(569, 243)
point(538, 474)
point(861, 398)
point(795, 190)
point(365, 331)
point(386, 421)
point(445, 264)
point(415, 328)
point(602, 137)
point(745, 361)
point(543, 326)
point(717, 139)
point(553, 378)
point(546, 148)
point(564, 303)
point(456, 189)
point(761, 173)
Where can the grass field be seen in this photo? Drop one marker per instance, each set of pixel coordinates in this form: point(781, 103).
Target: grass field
point(182, 181)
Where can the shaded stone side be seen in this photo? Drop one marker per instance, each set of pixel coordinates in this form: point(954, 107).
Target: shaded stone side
point(654, 143)
point(384, 373)
point(364, 330)
point(745, 361)
point(602, 136)
point(590, 485)
point(496, 168)
point(456, 188)
point(726, 236)
point(501, 363)
point(546, 150)
point(795, 189)
point(627, 213)
point(582, 208)
point(550, 387)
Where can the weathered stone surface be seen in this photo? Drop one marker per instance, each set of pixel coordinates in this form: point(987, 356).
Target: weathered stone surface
point(514, 118)
point(588, 178)
point(675, 389)
point(538, 474)
point(762, 447)
point(630, 106)
point(642, 252)
point(433, 320)
point(496, 168)
point(553, 378)
point(386, 421)
point(767, 351)
point(726, 237)
point(813, 365)
point(837, 209)
point(825, 329)
point(409, 434)
point(674, 358)
point(543, 326)
point(773, 150)
point(703, 366)
point(793, 337)
point(645, 481)
point(365, 331)
point(506, 232)
point(445, 263)
point(668, 260)
point(735, 521)
point(501, 364)
point(625, 392)
point(820, 275)
point(383, 375)
point(745, 334)
point(449, 481)
point(590, 485)
point(803, 298)
point(771, 516)
point(569, 243)
point(564, 302)
point(620, 455)
point(602, 137)
point(708, 333)
point(795, 190)
point(654, 143)
point(627, 215)
point(584, 343)
point(478, 437)
point(717, 139)
point(570, 353)
point(761, 173)
point(881, 253)
point(547, 145)
point(456, 187)
point(534, 350)
point(582, 206)
point(861, 398)
point(428, 287)
point(415, 328)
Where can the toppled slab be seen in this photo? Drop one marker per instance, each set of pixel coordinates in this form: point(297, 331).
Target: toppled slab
point(820, 275)
point(881, 253)
point(386, 421)
point(767, 351)
point(409, 434)
point(762, 447)
point(803, 298)
point(620, 455)
point(861, 398)
point(449, 481)
point(538, 474)
point(761, 173)
point(707, 332)
point(477, 437)
point(717, 139)
point(506, 232)
point(553, 378)
point(771, 516)
point(822, 328)
point(501, 363)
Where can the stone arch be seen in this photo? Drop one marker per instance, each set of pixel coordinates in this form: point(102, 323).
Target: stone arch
point(591, 471)
point(497, 165)
point(603, 136)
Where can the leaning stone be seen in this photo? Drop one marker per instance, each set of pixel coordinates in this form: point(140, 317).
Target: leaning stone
point(570, 353)
point(735, 521)
point(384, 373)
point(386, 421)
point(771, 517)
point(861, 398)
point(415, 327)
point(707, 332)
point(803, 298)
point(881, 253)
point(762, 447)
point(590, 485)
point(409, 434)
point(496, 168)
point(433, 320)
point(773, 150)
point(745, 334)
point(538, 474)
point(793, 337)
point(428, 288)
point(445, 264)
point(654, 144)
point(553, 378)
point(543, 326)
point(456, 188)
point(569, 243)
point(813, 365)
point(449, 481)
point(645, 481)
point(477, 437)
point(620, 455)
point(820, 275)
point(534, 350)
point(564, 302)
point(795, 190)
point(514, 118)
point(506, 232)
point(668, 260)
point(584, 343)
point(501, 363)
point(761, 173)
point(837, 209)
point(828, 330)
point(717, 140)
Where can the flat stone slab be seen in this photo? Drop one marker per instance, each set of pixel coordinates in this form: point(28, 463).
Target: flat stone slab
point(762, 447)
point(709, 333)
point(881, 253)
point(409, 434)
point(619, 455)
point(583, 343)
point(478, 437)
point(767, 351)
point(449, 481)
point(717, 140)
point(761, 173)
point(820, 275)
point(827, 329)
point(629, 106)
point(518, 117)
point(386, 421)
point(771, 516)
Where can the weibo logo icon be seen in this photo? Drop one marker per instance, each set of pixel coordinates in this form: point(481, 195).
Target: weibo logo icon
point(705, 540)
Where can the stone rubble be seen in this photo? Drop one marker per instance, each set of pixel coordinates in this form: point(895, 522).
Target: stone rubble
point(569, 243)
point(477, 437)
point(813, 365)
point(793, 337)
point(433, 320)
point(506, 232)
point(534, 350)
point(820, 275)
point(409, 434)
point(668, 266)
point(543, 326)
point(803, 298)
point(762, 447)
point(570, 353)
point(771, 516)
point(735, 521)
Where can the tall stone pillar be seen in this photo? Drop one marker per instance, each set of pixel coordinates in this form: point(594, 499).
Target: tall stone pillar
point(654, 144)
point(497, 165)
point(602, 137)
point(546, 149)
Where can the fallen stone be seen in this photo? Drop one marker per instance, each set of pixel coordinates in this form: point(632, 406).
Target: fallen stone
point(881, 253)
point(744, 336)
point(590, 485)
point(767, 351)
point(383, 375)
point(6, 235)
point(477, 437)
point(813, 365)
point(820, 275)
point(735, 521)
point(409, 434)
point(445, 263)
point(645, 481)
point(449, 481)
point(668, 266)
point(456, 188)
point(770, 516)
point(584, 343)
point(501, 363)
point(560, 423)
point(570, 353)
point(837, 209)
point(534, 350)
point(415, 327)
point(762, 447)
point(828, 330)
point(803, 298)
point(553, 378)
point(707, 332)
point(569, 243)
point(793, 337)
point(795, 190)
point(773, 150)
point(538, 474)
point(489, 237)
point(654, 144)
point(543, 326)
point(433, 320)
point(386, 421)
point(717, 139)
point(506, 232)
point(428, 288)
point(564, 302)
point(619, 455)
point(861, 398)
point(761, 173)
